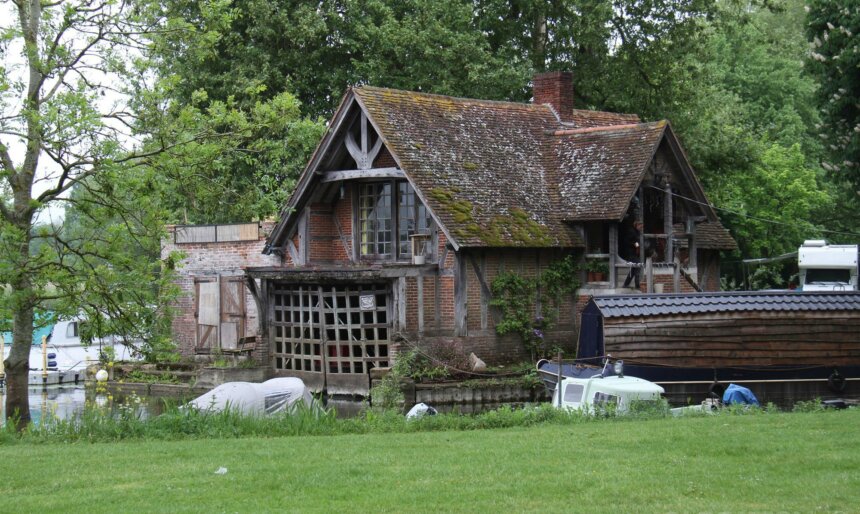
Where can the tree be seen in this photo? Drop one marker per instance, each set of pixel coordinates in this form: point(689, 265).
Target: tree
point(833, 29)
point(770, 207)
point(317, 49)
point(63, 142)
point(245, 171)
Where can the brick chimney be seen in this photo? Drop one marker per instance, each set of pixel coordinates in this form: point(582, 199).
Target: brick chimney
point(554, 88)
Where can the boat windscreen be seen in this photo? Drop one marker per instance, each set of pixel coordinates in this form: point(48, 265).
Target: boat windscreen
point(829, 276)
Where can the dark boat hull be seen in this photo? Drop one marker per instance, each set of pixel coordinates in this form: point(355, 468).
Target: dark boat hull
point(665, 375)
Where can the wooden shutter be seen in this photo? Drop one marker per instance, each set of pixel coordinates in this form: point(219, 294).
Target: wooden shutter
point(232, 311)
point(207, 313)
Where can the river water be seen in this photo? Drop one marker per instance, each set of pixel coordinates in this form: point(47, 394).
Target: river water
point(65, 402)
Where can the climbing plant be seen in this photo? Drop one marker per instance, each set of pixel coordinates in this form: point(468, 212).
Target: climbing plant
point(518, 297)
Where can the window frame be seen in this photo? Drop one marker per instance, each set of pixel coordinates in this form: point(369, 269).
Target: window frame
point(395, 255)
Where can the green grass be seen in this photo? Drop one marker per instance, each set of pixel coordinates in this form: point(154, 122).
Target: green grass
point(767, 462)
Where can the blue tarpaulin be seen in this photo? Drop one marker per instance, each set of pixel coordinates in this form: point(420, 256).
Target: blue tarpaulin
point(740, 395)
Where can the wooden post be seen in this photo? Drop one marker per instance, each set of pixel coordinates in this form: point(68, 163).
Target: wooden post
point(420, 285)
point(640, 218)
point(460, 281)
point(485, 299)
point(558, 378)
point(613, 254)
point(692, 251)
point(44, 360)
point(2, 357)
point(667, 222)
point(401, 303)
point(649, 275)
point(676, 275)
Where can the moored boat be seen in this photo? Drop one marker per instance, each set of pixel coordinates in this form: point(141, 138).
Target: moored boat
point(726, 337)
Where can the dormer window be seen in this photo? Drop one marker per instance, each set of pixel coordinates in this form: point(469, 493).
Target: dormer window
point(385, 209)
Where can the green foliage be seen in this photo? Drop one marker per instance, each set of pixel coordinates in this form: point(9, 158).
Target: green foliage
point(766, 277)
point(150, 378)
point(317, 50)
point(387, 394)
point(245, 166)
point(779, 188)
point(832, 29)
point(814, 405)
point(64, 146)
point(516, 297)
point(596, 266)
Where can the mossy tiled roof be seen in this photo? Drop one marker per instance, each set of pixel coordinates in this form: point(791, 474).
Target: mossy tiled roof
point(600, 168)
point(505, 174)
point(479, 165)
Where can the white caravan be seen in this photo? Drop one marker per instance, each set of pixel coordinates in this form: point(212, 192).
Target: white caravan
point(825, 267)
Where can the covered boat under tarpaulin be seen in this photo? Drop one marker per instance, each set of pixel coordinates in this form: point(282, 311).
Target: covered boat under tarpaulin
point(727, 336)
point(269, 397)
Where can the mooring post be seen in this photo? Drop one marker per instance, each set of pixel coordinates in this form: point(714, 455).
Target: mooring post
point(2, 357)
point(44, 360)
point(558, 381)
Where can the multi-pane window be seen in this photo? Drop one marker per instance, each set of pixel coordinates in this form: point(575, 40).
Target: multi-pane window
point(375, 220)
point(412, 217)
point(379, 208)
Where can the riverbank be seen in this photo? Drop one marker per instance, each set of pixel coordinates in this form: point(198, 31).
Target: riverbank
point(768, 462)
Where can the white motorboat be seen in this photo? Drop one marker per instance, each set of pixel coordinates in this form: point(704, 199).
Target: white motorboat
point(65, 357)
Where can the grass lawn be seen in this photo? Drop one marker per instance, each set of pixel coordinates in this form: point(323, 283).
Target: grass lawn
point(767, 462)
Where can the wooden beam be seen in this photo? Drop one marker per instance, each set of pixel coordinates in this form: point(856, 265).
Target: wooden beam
point(692, 251)
point(460, 282)
point(268, 314)
point(703, 276)
point(649, 275)
point(443, 257)
point(640, 218)
point(362, 155)
point(676, 275)
point(420, 292)
point(334, 176)
point(294, 253)
point(485, 289)
point(437, 303)
point(613, 254)
point(401, 302)
point(343, 240)
point(667, 222)
point(485, 298)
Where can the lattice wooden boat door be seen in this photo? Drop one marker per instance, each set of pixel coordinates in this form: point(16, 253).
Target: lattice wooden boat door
point(331, 336)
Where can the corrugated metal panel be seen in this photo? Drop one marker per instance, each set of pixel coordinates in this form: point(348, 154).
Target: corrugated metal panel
point(736, 301)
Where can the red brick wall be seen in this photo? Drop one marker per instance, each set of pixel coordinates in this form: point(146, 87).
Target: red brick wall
point(554, 88)
point(384, 159)
point(481, 338)
point(210, 260)
point(326, 243)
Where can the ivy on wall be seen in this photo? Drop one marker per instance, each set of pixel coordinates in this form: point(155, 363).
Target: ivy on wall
point(518, 297)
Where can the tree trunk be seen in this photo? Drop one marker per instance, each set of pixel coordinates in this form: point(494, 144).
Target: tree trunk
point(18, 369)
point(539, 42)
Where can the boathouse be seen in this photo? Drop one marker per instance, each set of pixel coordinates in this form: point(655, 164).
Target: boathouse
point(413, 203)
